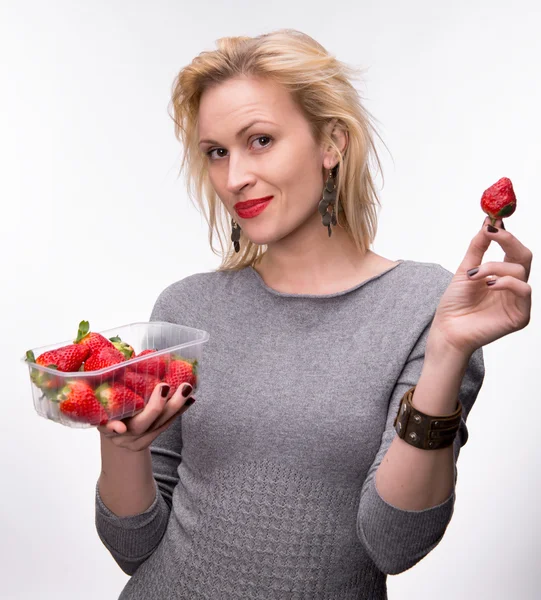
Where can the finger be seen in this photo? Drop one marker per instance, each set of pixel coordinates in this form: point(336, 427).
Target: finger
point(515, 250)
point(112, 428)
point(175, 404)
point(476, 250)
point(499, 268)
point(143, 441)
point(521, 289)
point(522, 292)
point(143, 421)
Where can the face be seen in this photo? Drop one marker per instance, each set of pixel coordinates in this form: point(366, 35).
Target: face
point(276, 156)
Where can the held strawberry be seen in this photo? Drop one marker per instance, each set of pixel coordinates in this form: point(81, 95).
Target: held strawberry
point(66, 359)
point(78, 402)
point(102, 358)
point(123, 347)
point(499, 200)
point(118, 400)
point(181, 370)
point(95, 341)
point(155, 366)
point(140, 383)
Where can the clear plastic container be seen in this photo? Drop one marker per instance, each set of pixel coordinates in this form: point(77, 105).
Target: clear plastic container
point(50, 386)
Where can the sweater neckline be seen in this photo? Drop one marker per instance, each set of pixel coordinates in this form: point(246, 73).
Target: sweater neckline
point(262, 283)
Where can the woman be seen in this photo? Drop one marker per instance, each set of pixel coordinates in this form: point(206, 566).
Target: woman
point(320, 455)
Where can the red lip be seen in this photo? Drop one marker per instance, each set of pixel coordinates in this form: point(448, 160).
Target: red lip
point(250, 203)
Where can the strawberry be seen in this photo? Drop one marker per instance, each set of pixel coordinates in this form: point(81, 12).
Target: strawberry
point(118, 400)
point(93, 340)
point(499, 200)
point(78, 402)
point(181, 371)
point(103, 357)
point(46, 382)
point(67, 358)
point(155, 366)
point(141, 383)
point(124, 347)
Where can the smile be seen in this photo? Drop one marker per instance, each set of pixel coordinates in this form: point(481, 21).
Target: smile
point(248, 212)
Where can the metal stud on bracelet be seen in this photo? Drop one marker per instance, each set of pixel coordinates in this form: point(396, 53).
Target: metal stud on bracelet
point(425, 431)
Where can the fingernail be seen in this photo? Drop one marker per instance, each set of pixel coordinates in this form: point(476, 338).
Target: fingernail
point(189, 402)
point(165, 391)
point(187, 390)
point(491, 282)
point(473, 271)
point(492, 229)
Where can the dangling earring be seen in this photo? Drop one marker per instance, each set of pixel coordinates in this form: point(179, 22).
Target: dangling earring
point(235, 235)
point(329, 197)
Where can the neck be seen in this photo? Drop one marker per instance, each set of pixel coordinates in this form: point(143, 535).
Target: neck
point(312, 262)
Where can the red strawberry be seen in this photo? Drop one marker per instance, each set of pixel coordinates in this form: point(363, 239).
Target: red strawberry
point(155, 366)
point(102, 358)
point(67, 358)
point(124, 347)
point(93, 340)
point(118, 400)
point(140, 383)
point(181, 371)
point(499, 200)
point(78, 402)
point(46, 382)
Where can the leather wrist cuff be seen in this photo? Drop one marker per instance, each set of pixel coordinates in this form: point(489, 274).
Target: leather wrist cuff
point(425, 431)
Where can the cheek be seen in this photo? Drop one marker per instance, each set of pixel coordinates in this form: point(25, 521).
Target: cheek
point(300, 171)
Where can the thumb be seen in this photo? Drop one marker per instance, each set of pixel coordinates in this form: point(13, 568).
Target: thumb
point(477, 248)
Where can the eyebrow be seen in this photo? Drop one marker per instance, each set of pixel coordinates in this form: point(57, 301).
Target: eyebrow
point(240, 132)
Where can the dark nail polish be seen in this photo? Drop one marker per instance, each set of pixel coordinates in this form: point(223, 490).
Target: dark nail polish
point(189, 402)
point(165, 391)
point(187, 391)
point(492, 229)
point(473, 271)
point(491, 282)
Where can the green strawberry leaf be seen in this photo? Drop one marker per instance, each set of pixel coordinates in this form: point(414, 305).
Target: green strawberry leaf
point(30, 357)
point(507, 210)
point(115, 339)
point(84, 328)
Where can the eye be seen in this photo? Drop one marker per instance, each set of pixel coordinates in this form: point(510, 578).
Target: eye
point(210, 152)
point(258, 138)
point(264, 137)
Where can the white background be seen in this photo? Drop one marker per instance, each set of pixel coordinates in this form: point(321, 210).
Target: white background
point(95, 223)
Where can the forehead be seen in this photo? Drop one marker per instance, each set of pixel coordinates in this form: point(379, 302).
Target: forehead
point(225, 106)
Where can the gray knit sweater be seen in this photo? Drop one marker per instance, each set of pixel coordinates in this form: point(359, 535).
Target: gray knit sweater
point(266, 486)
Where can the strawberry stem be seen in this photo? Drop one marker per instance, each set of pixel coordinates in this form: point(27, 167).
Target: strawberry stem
point(98, 392)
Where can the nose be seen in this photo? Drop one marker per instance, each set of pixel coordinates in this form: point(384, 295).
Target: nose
point(238, 175)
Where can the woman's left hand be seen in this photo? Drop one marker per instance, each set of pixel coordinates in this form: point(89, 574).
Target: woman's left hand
point(472, 314)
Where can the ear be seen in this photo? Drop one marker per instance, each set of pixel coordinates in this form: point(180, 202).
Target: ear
point(340, 137)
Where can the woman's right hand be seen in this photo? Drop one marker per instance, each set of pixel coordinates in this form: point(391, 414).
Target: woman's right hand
point(138, 432)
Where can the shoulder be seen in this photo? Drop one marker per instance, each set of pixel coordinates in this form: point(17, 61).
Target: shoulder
point(429, 272)
point(185, 297)
point(419, 283)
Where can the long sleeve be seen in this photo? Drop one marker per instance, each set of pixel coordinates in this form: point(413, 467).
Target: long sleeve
point(131, 540)
point(397, 539)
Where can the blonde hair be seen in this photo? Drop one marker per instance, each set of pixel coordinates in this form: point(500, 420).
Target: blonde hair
point(322, 89)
